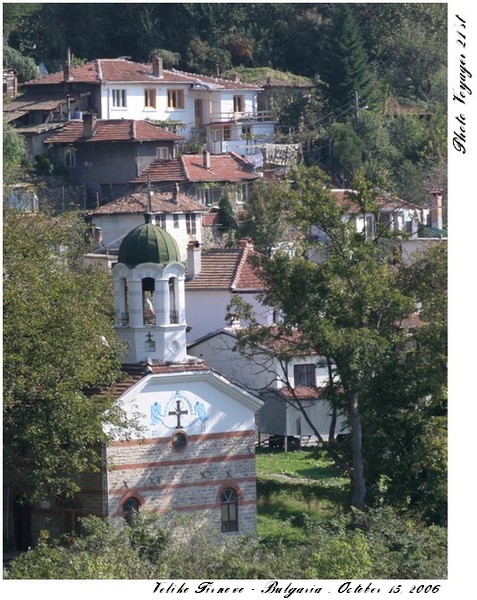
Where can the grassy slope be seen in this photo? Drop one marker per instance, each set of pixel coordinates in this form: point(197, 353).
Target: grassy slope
point(294, 487)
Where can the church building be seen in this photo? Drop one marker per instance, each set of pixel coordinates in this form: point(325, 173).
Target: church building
point(193, 449)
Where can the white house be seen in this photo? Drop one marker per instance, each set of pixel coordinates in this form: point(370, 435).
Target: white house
point(222, 114)
point(287, 388)
point(214, 277)
point(175, 212)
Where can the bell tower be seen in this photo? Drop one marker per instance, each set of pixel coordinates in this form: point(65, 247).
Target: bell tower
point(149, 296)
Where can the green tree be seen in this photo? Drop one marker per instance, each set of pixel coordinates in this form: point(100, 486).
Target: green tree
point(346, 295)
point(266, 221)
point(23, 65)
point(346, 153)
point(343, 67)
point(227, 219)
point(14, 153)
point(59, 349)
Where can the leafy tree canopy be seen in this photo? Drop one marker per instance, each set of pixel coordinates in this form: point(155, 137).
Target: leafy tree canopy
point(348, 296)
point(59, 347)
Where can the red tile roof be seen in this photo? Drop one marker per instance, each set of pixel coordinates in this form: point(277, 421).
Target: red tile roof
point(385, 201)
point(104, 70)
point(138, 203)
point(226, 269)
point(210, 219)
point(228, 167)
point(112, 130)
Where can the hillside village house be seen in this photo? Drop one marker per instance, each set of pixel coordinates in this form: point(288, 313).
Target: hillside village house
point(105, 155)
point(175, 212)
point(416, 226)
point(205, 177)
point(196, 451)
point(276, 382)
point(214, 277)
point(221, 114)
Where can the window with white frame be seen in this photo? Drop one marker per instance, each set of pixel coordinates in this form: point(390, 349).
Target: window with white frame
point(175, 98)
point(239, 104)
point(191, 223)
point(229, 510)
point(304, 375)
point(162, 152)
point(175, 220)
point(118, 98)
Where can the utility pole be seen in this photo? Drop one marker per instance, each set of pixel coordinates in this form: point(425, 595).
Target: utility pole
point(356, 106)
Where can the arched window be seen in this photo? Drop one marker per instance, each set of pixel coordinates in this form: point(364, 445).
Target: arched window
point(148, 286)
point(229, 510)
point(130, 508)
point(174, 313)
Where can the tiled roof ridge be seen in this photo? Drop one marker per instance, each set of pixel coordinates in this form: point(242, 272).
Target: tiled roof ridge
point(99, 70)
point(239, 268)
point(243, 160)
point(211, 78)
point(184, 166)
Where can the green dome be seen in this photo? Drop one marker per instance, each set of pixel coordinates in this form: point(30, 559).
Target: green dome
point(148, 243)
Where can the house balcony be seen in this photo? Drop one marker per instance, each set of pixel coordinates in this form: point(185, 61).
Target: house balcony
point(242, 117)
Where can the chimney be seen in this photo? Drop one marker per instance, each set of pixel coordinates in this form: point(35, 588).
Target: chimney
point(157, 66)
point(246, 243)
point(206, 159)
point(236, 78)
point(89, 124)
point(436, 208)
point(67, 67)
point(194, 259)
point(175, 194)
point(98, 236)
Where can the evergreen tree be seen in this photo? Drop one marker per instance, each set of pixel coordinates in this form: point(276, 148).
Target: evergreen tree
point(344, 65)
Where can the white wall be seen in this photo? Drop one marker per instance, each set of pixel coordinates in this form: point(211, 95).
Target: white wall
point(115, 227)
point(214, 103)
point(210, 403)
point(218, 353)
point(206, 311)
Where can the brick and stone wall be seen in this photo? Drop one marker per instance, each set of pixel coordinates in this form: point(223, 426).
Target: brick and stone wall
point(189, 480)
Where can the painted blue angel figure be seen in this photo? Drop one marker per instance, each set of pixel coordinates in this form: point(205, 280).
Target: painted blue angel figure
point(199, 410)
point(156, 413)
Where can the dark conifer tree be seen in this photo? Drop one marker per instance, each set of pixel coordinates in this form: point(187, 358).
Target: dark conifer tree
point(343, 67)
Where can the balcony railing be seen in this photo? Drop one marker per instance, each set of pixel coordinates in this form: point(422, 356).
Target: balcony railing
point(241, 117)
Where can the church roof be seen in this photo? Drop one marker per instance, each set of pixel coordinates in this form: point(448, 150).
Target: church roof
point(148, 243)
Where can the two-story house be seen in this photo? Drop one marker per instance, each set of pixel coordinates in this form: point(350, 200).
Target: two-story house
point(173, 211)
point(290, 389)
point(106, 154)
point(221, 114)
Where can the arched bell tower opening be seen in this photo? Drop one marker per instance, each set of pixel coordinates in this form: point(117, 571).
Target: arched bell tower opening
point(148, 309)
point(149, 298)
